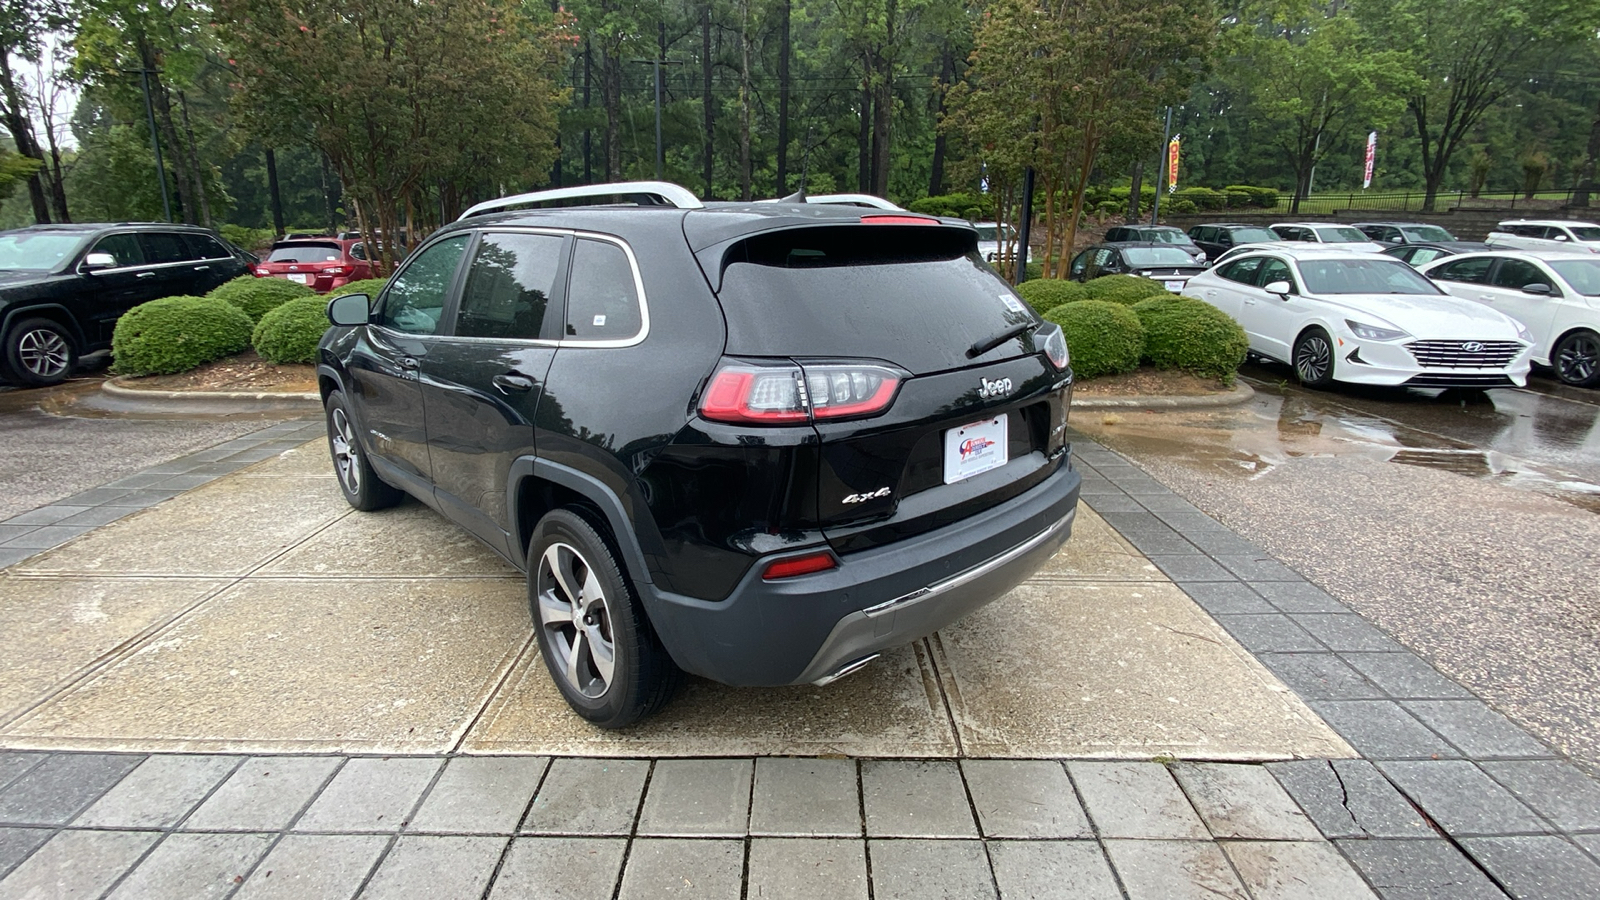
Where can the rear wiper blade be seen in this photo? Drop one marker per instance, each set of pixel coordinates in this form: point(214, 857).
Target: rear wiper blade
point(984, 346)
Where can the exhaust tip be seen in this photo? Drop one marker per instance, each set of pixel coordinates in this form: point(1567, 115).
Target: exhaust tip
point(844, 670)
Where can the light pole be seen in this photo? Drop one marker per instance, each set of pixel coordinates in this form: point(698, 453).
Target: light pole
point(155, 141)
point(1162, 174)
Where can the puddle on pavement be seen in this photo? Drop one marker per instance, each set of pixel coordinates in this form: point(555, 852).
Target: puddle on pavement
point(1277, 427)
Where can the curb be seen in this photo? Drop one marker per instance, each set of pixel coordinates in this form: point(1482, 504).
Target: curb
point(1241, 393)
point(265, 400)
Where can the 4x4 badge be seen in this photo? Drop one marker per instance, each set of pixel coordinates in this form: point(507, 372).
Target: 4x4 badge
point(867, 495)
point(997, 388)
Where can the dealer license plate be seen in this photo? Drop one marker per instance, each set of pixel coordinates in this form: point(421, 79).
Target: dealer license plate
point(1174, 286)
point(298, 278)
point(974, 448)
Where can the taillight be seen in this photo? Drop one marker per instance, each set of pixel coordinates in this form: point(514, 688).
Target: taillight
point(782, 395)
point(334, 270)
point(261, 271)
point(799, 565)
point(1054, 345)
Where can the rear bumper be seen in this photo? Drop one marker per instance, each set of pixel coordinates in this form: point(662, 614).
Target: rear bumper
point(812, 628)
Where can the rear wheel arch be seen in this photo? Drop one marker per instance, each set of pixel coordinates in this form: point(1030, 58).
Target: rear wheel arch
point(538, 486)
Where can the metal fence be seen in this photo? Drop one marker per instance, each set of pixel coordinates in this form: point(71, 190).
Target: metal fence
point(1325, 203)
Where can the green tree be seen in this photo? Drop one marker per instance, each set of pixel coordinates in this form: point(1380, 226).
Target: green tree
point(23, 26)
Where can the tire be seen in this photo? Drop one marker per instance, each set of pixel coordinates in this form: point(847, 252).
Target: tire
point(39, 352)
point(1576, 359)
point(1313, 358)
point(362, 488)
point(600, 649)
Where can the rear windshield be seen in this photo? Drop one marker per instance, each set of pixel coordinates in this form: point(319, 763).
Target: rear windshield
point(992, 232)
point(916, 296)
point(1582, 274)
point(1157, 256)
point(1253, 235)
point(1342, 235)
point(1427, 233)
point(1166, 236)
point(304, 253)
point(1363, 276)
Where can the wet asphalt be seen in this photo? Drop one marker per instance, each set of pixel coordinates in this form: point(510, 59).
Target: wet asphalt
point(55, 442)
point(1464, 524)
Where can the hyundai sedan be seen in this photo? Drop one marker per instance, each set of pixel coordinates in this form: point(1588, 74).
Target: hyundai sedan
point(1364, 318)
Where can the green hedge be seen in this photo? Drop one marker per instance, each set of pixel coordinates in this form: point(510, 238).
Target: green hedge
point(1183, 333)
point(175, 334)
point(368, 286)
point(1124, 289)
point(1259, 197)
point(258, 295)
point(1104, 338)
point(1046, 294)
point(252, 239)
point(960, 206)
point(290, 332)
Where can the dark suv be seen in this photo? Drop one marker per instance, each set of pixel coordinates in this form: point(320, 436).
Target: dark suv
point(63, 287)
point(1156, 234)
point(756, 442)
point(1218, 239)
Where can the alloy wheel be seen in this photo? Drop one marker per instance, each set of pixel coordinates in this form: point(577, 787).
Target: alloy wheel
point(346, 458)
point(1312, 360)
point(1578, 359)
point(43, 353)
point(576, 614)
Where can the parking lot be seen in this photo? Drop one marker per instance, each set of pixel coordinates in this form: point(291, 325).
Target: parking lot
point(1184, 713)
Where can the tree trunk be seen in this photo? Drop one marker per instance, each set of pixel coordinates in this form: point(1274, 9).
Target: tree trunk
point(1586, 182)
point(864, 134)
point(274, 198)
point(947, 74)
point(883, 106)
point(169, 132)
point(193, 149)
point(329, 197)
point(58, 187)
point(744, 100)
point(588, 72)
point(22, 136)
point(707, 103)
point(784, 10)
point(1136, 190)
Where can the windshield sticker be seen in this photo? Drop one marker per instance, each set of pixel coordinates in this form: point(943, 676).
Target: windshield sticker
point(1012, 303)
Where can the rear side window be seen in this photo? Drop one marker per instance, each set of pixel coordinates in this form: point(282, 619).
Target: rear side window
point(163, 247)
point(509, 286)
point(204, 246)
point(1471, 271)
point(912, 295)
point(602, 297)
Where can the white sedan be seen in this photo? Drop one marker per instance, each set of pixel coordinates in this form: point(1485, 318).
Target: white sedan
point(1363, 318)
point(1556, 295)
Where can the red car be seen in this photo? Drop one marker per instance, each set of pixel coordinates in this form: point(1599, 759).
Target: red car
point(321, 264)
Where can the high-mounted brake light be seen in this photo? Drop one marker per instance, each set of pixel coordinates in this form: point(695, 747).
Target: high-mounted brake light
point(799, 565)
point(897, 220)
point(783, 395)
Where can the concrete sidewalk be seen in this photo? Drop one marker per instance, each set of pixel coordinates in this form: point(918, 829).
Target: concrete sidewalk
point(1151, 637)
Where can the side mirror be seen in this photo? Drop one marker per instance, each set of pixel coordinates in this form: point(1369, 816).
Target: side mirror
point(349, 310)
point(1561, 237)
point(1397, 240)
point(1281, 288)
point(1541, 289)
point(96, 261)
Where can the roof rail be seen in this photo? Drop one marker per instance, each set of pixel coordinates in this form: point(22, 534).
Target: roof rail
point(646, 193)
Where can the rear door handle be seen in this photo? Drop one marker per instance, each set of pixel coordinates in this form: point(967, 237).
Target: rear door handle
point(201, 268)
point(512, 382)
point(145, 275)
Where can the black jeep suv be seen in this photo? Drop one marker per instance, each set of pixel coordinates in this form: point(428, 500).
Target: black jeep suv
point(63, 287)
point(756, 442)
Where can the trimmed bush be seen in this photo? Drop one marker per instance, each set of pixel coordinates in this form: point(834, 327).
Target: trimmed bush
point(368, 286)
point(175, 334)
point(1104, 338)
point(1201, 197)
point(1260, 197)
point(1183, 333)
point(258, 295)
point(251, 239)
point(1045, 294)
point(956, 205)
point(1124, 289)
point(289, 333)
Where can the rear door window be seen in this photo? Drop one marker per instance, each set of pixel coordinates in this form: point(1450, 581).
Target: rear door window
point(509, 286)
point(1470, 271)
point(204, 246)
point(164, 247)
point(603, 302)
